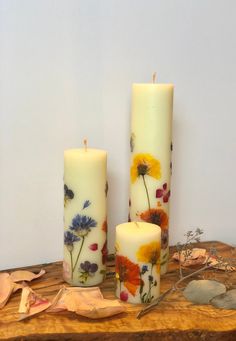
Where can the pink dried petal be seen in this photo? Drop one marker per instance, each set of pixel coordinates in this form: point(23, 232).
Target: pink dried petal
point(6, 288)
point(166, 197)
point(18, 286)
point(23, 275)
point(87, 302)
point(93, 247)
point(77, 296)
point(58, 303)
point(159, 193)
point(67, 298)
point(165, 186)
point(31, 303)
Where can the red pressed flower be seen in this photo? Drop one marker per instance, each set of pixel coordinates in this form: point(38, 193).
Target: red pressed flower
point(124, 296)
point(163, 193)
point(156, 216)
point(128, 273)
point(93, 247)
point(104, 226)
point(104, 252)
point(164, 239)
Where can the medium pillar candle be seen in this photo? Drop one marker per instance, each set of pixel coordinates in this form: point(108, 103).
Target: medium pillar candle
point(138, 262)
point(85, 226)
point(151, 136)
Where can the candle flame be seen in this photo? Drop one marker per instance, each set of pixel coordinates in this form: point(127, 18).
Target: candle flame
point(154, 77)
point(85, 144)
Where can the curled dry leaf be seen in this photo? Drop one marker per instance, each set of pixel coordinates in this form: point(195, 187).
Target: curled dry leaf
point(24, 275)
point(225, 301)
point(202, 291)
point(220, 265)
point(6, 288)
point(87, 302)
point(18, 286)
point(198, 256)
point(31, 303)
point(189, 254)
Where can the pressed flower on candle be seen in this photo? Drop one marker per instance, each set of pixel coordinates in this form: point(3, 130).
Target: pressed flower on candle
point(150, 145)
point(137, 262)
point(85, 190)
point(156, 216)
point(127, 273)
point(68, 195)
point(163, 193)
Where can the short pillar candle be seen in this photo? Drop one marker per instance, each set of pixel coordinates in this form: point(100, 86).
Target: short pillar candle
point(138, 246)
point(85, 226)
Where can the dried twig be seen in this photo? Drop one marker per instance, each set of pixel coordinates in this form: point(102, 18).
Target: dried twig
point(169, 291)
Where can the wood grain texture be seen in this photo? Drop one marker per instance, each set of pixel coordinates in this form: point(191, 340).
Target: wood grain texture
point(174, 319)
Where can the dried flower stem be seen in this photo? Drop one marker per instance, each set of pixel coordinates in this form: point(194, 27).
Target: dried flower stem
point(73, 269)
point(167, 292)
point(145, 185)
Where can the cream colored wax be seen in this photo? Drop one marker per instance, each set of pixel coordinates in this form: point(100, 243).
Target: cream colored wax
point(138, 262)
point(85, 212)
point(151, 130)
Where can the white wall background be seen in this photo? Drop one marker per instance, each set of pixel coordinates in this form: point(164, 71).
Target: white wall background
point(66, 72)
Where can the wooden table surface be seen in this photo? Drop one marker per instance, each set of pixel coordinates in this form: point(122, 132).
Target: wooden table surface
point(174, 319)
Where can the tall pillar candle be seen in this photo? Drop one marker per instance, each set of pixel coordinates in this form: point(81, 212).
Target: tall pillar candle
point(85, 226)
point(151, 136)
point(138, 262)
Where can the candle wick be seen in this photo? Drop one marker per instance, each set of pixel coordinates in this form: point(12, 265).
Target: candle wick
point(136, 224)
point(154, 76)
point(85, 144)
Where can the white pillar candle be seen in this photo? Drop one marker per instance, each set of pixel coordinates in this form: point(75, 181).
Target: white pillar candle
point(85, 232)
point(151, 134)
point(138, 262)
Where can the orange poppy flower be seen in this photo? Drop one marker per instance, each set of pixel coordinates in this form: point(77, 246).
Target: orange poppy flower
point(128, 273)
point(156, 216)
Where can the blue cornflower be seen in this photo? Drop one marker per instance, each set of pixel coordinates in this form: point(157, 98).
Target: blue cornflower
point(82, 224)
point(144, 269)
point(69, 239)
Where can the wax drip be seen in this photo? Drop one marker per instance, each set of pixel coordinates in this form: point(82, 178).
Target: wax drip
point(85, 145)
point(154, 77)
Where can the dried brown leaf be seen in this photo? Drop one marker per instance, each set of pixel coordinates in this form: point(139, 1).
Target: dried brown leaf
point(24, 275)
point(189, 254)
point(87, 302)
point(6, 288)
point(220, 265)
point(31, 303)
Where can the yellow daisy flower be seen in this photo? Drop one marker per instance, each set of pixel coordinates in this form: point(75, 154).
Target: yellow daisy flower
point(145, 164)
point(149, 253)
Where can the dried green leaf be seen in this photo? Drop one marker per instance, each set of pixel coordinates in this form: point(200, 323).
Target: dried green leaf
point(202, 291)
point(225, 301)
